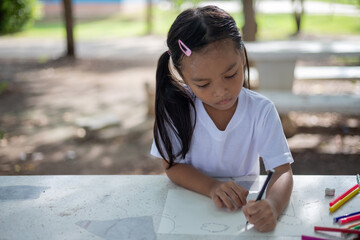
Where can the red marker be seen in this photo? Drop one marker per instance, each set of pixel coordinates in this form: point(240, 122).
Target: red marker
point(343, 195)
point(304, 237)
point(349, 219)
point(342, 230)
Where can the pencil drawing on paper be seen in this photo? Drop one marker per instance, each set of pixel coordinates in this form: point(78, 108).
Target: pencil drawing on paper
point(168, 223)
point(214, 227)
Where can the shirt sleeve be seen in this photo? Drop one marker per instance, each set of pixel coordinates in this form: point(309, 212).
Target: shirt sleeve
point(176, 147)
point(272, 143)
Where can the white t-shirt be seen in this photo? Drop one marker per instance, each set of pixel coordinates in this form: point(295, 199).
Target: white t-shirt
point(254, 130)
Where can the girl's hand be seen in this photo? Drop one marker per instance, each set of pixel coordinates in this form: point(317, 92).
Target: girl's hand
point(262, 214)
point(228, 194)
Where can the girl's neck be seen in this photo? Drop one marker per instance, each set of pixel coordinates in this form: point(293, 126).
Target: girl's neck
point(221, 118)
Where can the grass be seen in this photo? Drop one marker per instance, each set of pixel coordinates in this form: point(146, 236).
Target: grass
point(332, 24)
point(349, 2)
point(280, 26)
point(270, 26)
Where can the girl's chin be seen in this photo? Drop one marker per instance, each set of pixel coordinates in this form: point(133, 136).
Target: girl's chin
point(223, 105)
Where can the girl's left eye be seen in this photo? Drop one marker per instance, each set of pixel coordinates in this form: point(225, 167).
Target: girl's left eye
point(232, 76)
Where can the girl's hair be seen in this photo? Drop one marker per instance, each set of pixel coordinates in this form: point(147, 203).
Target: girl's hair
point(196, 28)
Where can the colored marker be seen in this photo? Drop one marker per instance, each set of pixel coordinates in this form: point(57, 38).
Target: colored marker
point(264, 187)
point(354, 225)
point(334, 207)
point(303, 237)
point(343, 195)
point(349, 219)
point(346, 215)
point(342, 230)
point(358, 179)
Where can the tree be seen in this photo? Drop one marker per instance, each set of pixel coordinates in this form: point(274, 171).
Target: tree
point(249, 29)
point(298, 6)
point(17, 15)
point(68, 17)
point(149, 16)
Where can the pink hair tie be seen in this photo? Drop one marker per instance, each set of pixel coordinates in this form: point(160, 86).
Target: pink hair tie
point(184, 48)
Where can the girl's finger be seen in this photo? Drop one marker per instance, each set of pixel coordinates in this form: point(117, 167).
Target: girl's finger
point(248, 206)
point(254, 211)
point(236, 194)
point(265, 226)
point(226, 200)
point(234, 197)
point(246, 213)
point(242, 194)
point(256, 218)
point(218, 202)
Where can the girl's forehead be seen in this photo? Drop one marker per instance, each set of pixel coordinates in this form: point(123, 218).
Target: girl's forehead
point(214, 54)
point(221, 45)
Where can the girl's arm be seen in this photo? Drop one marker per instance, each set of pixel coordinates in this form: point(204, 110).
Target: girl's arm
point(224, 194)
point(264, 213)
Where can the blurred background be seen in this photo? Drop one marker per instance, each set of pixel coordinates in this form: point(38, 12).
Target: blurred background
point(77, 81)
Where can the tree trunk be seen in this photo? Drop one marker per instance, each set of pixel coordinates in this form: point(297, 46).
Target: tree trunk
point(250, 27)
point(298, 6)
point(149, 17)
point(68, 17)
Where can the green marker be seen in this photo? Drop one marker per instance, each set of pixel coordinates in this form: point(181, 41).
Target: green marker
point(356, 227)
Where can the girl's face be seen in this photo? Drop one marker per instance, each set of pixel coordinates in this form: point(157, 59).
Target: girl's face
point(215, 74)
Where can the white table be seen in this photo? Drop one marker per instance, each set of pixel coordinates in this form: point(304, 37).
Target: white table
point(107, 207)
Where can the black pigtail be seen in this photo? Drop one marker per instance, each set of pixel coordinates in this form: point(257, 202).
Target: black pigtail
point(172, 113)
point(247, 79)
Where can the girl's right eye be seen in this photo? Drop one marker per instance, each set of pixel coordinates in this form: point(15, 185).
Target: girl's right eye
point(203, 86)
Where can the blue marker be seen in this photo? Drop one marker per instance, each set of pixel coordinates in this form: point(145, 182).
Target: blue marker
point(347, 215)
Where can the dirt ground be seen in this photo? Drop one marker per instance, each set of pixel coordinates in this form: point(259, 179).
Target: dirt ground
point(46, 110)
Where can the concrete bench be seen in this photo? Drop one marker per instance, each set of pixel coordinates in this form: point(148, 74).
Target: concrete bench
point(286, 102)
point(327, 72)
point(276, 60)
point(318, 73)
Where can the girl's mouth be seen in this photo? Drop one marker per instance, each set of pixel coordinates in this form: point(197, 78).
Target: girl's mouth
point(224, 101)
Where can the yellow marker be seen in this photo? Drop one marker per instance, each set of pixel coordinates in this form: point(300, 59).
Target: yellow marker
point(342, 201)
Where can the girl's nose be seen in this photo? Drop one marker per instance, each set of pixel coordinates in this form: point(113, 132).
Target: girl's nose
point(220, 91)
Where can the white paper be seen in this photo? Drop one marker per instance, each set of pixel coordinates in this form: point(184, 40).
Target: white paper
point(186, 212)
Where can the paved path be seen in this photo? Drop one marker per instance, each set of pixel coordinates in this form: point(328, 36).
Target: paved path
point(145, 48)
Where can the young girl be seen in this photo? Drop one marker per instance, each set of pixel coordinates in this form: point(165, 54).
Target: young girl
point(208, 125)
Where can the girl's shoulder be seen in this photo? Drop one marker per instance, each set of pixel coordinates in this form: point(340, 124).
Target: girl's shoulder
point(255, 97)
point(257, 105)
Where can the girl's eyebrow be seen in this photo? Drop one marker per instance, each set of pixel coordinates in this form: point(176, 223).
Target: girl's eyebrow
point(207, 79)
point(229, 68)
